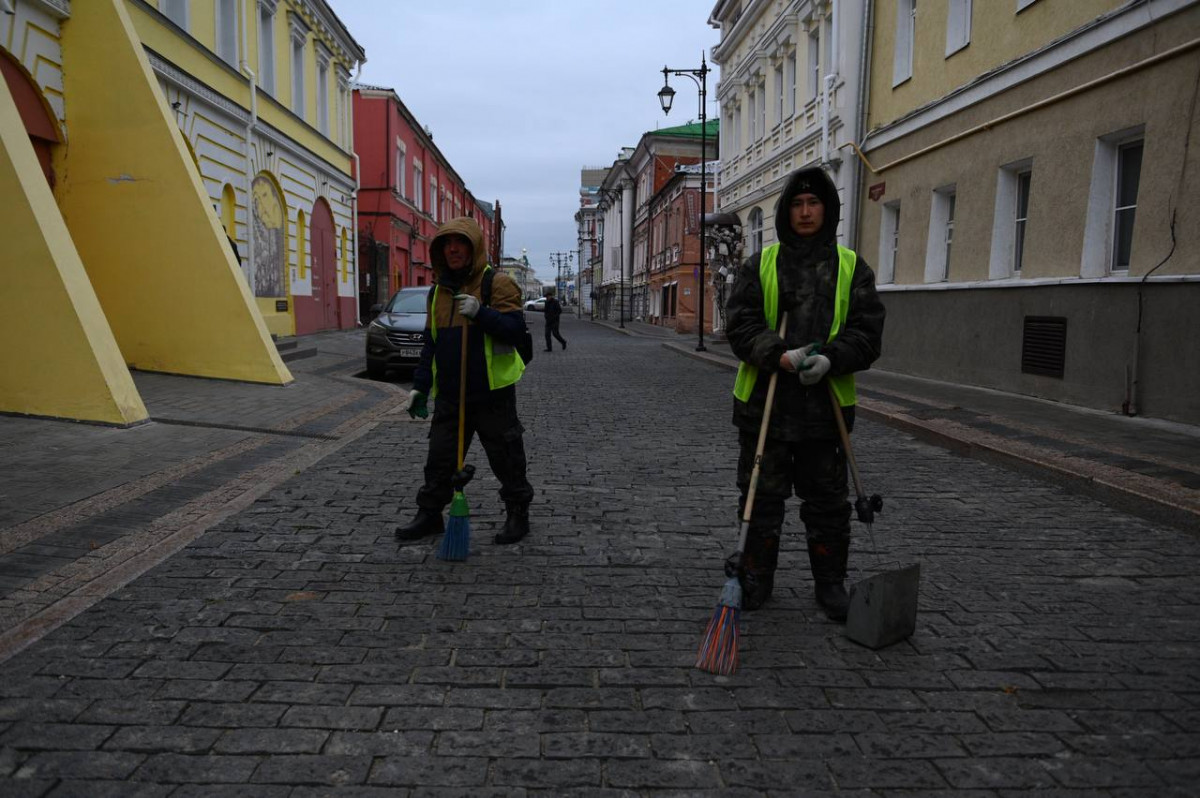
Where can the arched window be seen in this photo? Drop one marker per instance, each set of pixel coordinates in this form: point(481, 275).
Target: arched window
point(756, 230)
point(301, 246)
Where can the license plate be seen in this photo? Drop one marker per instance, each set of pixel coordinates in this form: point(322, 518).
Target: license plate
point(410, 353)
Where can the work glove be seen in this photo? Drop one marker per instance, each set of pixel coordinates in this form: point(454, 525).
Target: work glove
point(467, 305)
point(418, 405)
point(813, 368)
point(796, 356)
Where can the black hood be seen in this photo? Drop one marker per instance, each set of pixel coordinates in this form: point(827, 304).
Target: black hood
point(808, 181)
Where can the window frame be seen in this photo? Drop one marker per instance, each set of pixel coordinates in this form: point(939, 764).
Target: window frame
point(905, 41)
point(889, 241)
point(226, 30)
point(940, 239)
point(958, 12)
point(178, 11)
point(266, 47)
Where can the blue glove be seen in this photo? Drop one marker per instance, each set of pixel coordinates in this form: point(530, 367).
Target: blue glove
point(418, 404)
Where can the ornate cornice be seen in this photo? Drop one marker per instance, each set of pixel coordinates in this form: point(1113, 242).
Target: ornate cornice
point(59, 9)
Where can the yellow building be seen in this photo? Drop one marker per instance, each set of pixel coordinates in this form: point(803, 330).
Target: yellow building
point(1032, 197)
point(138, 140)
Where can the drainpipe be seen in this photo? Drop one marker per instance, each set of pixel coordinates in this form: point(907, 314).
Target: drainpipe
point(354, 196)
point(251, 128)
point(860, 118)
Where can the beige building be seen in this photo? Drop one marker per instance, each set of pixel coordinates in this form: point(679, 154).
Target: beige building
point(789, 97)
point(1031, 204)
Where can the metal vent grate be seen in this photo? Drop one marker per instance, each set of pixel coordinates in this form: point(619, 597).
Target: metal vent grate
point(1044, 346)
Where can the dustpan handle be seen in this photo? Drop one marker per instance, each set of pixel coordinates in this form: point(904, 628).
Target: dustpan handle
point(845, 435)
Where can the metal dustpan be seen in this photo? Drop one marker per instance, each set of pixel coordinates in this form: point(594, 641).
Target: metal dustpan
point(883, 607)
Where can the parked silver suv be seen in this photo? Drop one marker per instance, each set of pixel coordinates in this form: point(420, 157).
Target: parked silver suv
point(395, 337)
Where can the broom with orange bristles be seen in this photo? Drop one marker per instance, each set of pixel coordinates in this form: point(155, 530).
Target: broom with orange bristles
point(719, 647)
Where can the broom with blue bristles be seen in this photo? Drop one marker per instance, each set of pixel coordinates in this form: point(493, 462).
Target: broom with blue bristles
point(456, 542)
point(719, 647)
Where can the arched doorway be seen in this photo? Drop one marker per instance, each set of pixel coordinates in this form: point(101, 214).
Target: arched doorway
point(269, 252)
point(35, 113)
point(324, 265)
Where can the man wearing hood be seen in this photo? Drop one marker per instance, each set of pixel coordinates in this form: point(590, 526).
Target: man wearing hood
point(457, 307)
point(835, 328)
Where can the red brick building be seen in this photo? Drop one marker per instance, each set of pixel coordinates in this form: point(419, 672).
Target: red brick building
point(407, 189)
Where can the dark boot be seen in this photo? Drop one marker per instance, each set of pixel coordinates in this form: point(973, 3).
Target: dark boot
point(426, 523)
point(828, 564)
point(758, 567)
point(516, 524)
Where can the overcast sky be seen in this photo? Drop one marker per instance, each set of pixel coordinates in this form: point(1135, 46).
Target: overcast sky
point(522, 94)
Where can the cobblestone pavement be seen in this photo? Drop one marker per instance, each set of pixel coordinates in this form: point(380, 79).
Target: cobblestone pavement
point(295, 649)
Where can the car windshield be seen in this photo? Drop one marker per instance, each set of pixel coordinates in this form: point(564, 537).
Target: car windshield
point(408, 302)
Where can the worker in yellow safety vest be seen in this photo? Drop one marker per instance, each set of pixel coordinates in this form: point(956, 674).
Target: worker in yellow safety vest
point(470, 294)
point(835, 328)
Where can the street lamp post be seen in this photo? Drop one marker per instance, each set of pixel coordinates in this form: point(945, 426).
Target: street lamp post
point(665, 96)
point(559, 258)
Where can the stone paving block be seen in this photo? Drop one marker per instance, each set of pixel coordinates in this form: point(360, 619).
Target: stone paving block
point(560, 775)
point(998, 773)
point(438, 719)
point(103, 765)
point(675, 774)
point(162, 739)
point(334, 771)
point(156, 713)
point(29, 736)
point(271, 741)
point(226, 715)
point(385, 742)
point(108, 789)
point(430, 771)
point(332, 717)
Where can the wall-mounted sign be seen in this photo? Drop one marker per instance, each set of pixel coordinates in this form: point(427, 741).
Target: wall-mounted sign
point(876, 191)
point(281, 306)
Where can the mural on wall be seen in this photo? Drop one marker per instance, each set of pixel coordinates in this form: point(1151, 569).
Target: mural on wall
point(269, 249)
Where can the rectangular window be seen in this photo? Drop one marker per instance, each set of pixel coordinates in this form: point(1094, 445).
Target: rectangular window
point(889, 242)
point(781, 93)
point(266, 48)
point(737, 130)
point(323, 98)
point(433, 198)
point(227, 31)
point(906, 29)
point(949, 234)
point(1024, 179)
point(940, 240)
point(418, 188)
point(753, 114)
point(814, 64)
point(401, 158)
point(791, 84)
point(1129, 172)
point(762, 107)
point(958, 26)
point(176, 11)
point(298, 76)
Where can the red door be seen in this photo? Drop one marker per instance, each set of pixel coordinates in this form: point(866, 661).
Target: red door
point(324, 265)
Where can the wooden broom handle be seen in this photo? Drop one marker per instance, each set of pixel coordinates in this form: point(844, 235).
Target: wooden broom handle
point(762, 435)
point(462, 393)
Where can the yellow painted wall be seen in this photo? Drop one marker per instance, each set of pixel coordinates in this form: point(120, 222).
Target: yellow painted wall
point(998, 36)
point(60, 358)
point(141, 219)
point(201, 64)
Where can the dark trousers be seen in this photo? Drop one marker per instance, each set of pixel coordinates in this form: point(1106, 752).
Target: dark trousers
point(552, 329)
point(494, 419)
point(815, 470)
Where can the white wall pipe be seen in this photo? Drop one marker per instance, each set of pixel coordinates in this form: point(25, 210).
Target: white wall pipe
point(251, 129)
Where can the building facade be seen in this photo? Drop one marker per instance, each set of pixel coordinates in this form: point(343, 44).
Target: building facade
point(611, 274)
point(668, 204)
point(587, 223)
point(522, 274)
point(408, 189)
point(789, 98)
point(1031, 184)
point(179, 189)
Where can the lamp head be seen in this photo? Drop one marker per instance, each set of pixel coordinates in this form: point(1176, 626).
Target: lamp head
point(666, 95)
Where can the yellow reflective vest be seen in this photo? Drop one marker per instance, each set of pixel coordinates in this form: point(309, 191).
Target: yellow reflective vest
point(504, 364)
point(843, 385)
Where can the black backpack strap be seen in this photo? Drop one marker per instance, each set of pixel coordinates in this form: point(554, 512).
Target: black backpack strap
point(486, 287)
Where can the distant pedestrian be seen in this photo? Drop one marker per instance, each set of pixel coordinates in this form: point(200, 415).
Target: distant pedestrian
point(835, 328)
point(553, 312)
point(493, 369)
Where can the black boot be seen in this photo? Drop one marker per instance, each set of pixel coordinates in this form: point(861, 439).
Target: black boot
point(426, 523)
point(516, 524)
point(828, 564)
point(758, 567)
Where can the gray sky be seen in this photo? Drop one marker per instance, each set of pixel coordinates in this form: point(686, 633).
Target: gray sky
point(522, 94)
